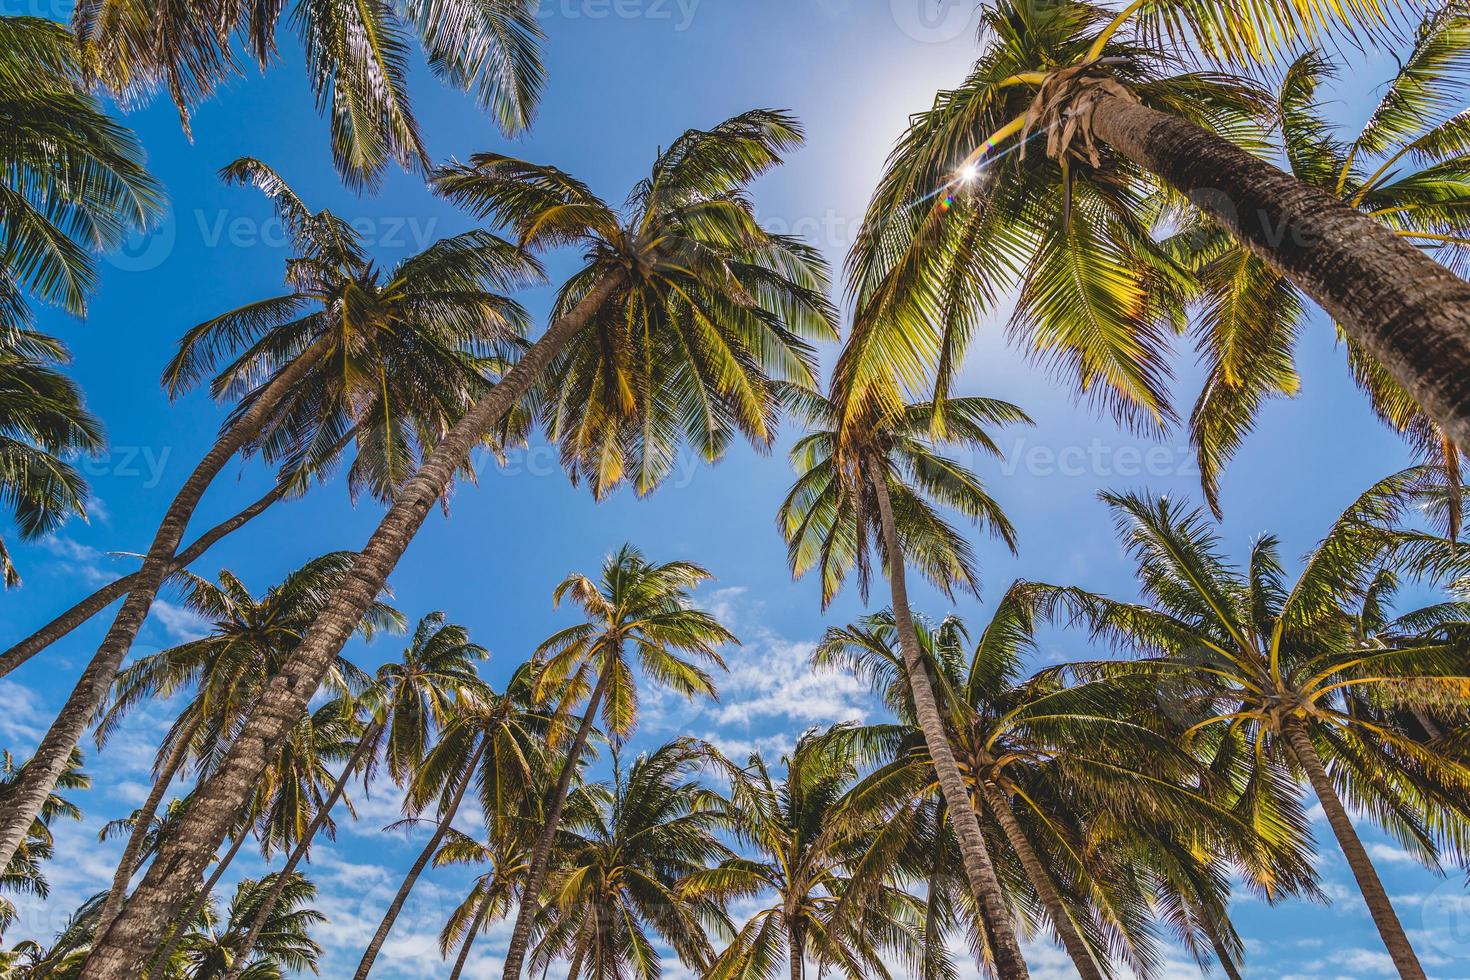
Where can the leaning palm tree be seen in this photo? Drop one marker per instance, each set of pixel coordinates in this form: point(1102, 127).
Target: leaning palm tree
point(1071, 780)
point(635, 603)
point(1409, 169)
point(220, 676)
point(357, 59)
point(689, 260)
point(874, 482)
point(1278, 672)
point(626, 849)
point(408, 700)
point(74, 179)
point(42, 421)
point(25, 874)
point(967, 206)
point(332, 338)
point(806, 843)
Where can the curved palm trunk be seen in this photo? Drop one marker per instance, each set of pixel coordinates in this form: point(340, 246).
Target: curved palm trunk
point(23, 802)
point(117, 955)
point(197, 905)
point(136, 840)
point(1408, 311)
point(520, 937)
point(469, 939)
point(386, 926)
point(1224, 957)
point(78, 614)
point(979, 869)
point(1384, 917)
point(298, 854)
point(1041, 880)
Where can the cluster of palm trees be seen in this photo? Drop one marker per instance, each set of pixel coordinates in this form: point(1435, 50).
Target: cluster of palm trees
point(1106, 173)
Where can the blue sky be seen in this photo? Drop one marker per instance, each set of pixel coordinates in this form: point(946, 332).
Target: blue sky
point(626, 77)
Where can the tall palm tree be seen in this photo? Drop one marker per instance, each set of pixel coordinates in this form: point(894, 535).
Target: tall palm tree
point(1072, 779)
point(336, 334)
point(742, 288)
point(74, 179)
point(635, 603)
point(224, 673)
point(408, 700)
point(626, 848)
point(1409, 169)
point(806, 844)
point(25, 874)
point(284, 948)
point(957, 218)
point(42, 421)
point(874, 483)
point(357, 57)
point(507, 853)
point(1276, 672)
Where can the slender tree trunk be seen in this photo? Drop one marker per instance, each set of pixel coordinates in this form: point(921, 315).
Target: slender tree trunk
point(160, 961)
point(128, 866)
point(298, 854)
point(469, 940)
point(520, 937)
point(1009, 963)
point(1408, 311)
point(798, 952)
point(1369, 884)
point(117, 955)
point(36, 782)
point(425, 856)
point(78, 614)
point(1041, 880)
point(1224, 957)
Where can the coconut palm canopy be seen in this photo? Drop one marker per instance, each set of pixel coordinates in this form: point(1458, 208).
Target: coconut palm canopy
point(1027, 515)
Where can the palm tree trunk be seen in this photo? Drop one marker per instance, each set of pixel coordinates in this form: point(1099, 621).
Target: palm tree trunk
point(1041, 880)
point(23, 802)
point(117, 955)
point(298, 854)
point(1224, 957)
point(1009, 964)
point(469, 940)
point(798, 952)
point(78, 614)
point(520, 937)
point(1369, 884)
point(427, 854)
point(134, 849)
point(1408, 311)
point(200, 898)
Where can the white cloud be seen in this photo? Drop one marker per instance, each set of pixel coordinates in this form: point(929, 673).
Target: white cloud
point(181, 625)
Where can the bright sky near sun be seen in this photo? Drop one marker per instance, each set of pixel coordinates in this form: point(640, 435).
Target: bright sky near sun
point(627, 76)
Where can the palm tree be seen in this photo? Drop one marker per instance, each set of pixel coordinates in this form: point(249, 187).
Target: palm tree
point(337, 333)
point(284, 947)
point(24, 874)
point(74, 180)
point(408, 700)
point(807, 845)
point(724, 276)
point(1072, 779)
point(635, 603)
point(626, 849)
point(42, 421)
point(955, 223)
point(1406, 170)
point(225, 671)
point(1276, 672)
point(357, 58)
point(869, 483)
point(507, 852)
